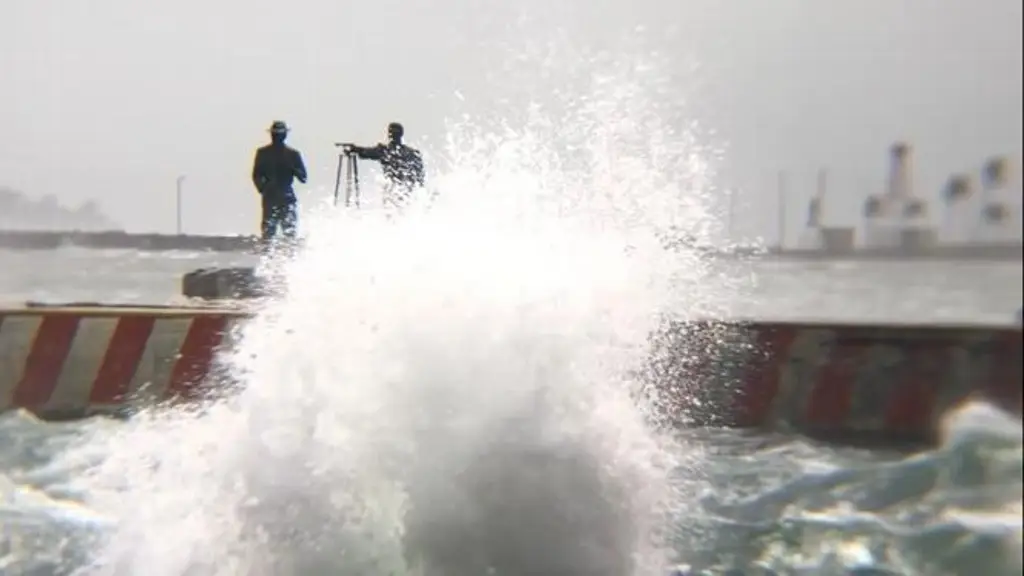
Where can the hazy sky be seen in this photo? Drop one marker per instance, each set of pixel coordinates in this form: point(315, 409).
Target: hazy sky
point(112, 99)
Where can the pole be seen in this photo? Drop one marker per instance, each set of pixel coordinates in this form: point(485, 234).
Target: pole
point(733, 198)
point(177, 203)
point(817, 211)
point(782, 210)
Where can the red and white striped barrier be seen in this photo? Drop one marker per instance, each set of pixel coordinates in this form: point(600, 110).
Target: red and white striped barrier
point(840, 381)
point(844, 382)
point(70, 362)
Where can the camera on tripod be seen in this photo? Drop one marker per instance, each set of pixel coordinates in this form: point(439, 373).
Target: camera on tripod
point(349, 160)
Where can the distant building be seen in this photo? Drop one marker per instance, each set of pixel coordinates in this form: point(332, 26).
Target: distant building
point(817, 235)
point(961, 207)
point(998, 216)
point(973, 221)
point(898, 218)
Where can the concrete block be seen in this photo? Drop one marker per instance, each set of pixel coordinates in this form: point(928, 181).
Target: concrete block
point(222, 284)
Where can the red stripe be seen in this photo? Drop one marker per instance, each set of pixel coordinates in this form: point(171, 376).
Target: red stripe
point(831, 397)
point(1003, 386)
point(196, 355)
point(121, 359)
point(760, 384)
point(910, 408)
point(45, 360)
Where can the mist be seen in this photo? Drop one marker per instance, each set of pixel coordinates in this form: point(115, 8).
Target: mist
point(112, 100)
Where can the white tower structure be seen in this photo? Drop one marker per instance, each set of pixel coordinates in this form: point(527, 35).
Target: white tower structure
point(884, 215)
point(961, 204)
point(812, 236)
point(998, 215)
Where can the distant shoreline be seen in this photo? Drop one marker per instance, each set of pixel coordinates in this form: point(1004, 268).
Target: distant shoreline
point(118, 240)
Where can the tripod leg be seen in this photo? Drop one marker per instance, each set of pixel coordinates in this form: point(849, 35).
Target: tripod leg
point(348, 180)
point(355, 178)
point(337, 178)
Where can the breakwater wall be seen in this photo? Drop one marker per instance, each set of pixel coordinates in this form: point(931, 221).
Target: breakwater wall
point(73, 362)
point(116, 240)
point(848, 383)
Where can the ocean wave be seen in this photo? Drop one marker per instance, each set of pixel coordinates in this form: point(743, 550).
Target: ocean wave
point(763, 504)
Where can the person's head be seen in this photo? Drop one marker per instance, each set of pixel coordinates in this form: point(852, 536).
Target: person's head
point(278, 131)
point(395, 133)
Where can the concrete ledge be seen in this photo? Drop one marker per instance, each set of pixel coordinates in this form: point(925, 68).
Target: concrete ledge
point(878, 383)
point(90, 309)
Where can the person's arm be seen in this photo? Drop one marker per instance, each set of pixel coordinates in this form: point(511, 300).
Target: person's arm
point(259, 174)
point(299, 167)
point(368, 153)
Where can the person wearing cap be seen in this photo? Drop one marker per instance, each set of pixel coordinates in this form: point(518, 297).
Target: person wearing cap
point(401, 164)
point(274, 169)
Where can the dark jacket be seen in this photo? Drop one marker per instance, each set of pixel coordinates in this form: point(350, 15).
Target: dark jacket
point(400, 164)
point(274, 170)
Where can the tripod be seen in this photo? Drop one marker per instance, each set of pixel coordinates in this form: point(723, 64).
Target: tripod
point(350, 162)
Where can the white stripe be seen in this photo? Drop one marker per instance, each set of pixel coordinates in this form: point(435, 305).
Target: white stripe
point(83, 363)
point(16, 336)
point(154, 374)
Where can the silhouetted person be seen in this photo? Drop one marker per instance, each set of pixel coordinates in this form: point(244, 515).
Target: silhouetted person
point(402, 165)
point(273, 171)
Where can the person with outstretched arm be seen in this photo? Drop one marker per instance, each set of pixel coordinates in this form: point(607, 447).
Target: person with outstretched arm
point(401, 164)
point(274, 170)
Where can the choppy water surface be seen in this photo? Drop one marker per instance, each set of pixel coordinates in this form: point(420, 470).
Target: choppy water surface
point(968, 292)
point(758, 504)
point(459, 399)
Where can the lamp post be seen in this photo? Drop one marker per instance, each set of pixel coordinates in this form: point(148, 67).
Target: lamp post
point(731, 217)
point(781, 184)
point(177, 203)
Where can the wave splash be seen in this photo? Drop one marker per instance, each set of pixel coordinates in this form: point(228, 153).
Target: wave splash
point(449, 391)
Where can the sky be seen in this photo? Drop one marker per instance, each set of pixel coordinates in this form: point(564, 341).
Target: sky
point(114, 99)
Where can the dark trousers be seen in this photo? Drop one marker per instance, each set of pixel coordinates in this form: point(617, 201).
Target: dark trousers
point(279, 211)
